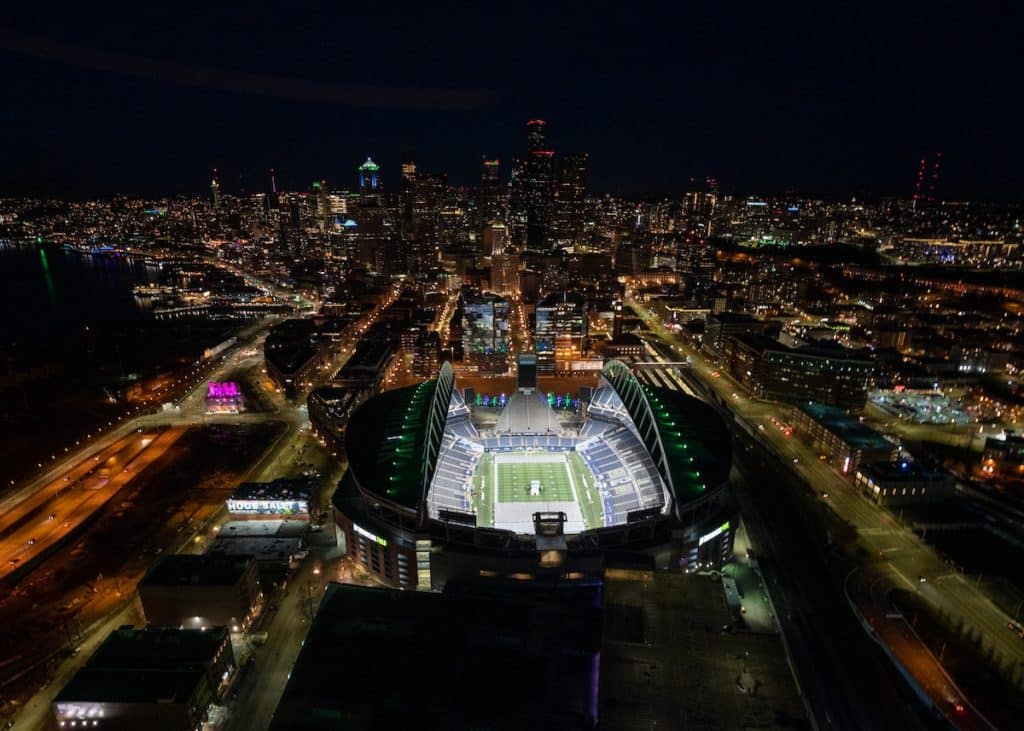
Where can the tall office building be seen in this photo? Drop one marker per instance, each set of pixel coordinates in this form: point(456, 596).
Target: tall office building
point(215, 191)
point(492, 196)
point(505, 274)
point(561, 328)
point(369, 179)
point(408, 166)
point(533, 190)
point(426, 199)
point(536, 138)
point(322, 204)
point(494, 239)
point(517, 203)
point(485, 337)
point(379, 243)
point(570, 200)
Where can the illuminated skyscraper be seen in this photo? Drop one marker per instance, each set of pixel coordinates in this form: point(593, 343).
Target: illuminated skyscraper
point(561, 328)
point(494, 239)
point(485, 332)
point(505, 274)
point(492, 196)
point(533, 190)
point(379, 245)
point(408, 165)
point(535, 135)
point(215, 191)
point(570, 200)
point(322, 203)
point(369, 178)
point(426, 199)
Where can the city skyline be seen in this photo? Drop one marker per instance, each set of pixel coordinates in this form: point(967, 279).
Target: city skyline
point(825, 104)
point(621, 366)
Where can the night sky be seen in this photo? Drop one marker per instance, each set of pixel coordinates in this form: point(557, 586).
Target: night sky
point(821, 98)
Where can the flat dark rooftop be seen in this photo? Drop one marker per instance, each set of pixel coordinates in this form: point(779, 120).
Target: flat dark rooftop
point(130, 686)
point(189, 570)
point(666, 665)
point(483, 655)
point(145, 666)
point(158, 648)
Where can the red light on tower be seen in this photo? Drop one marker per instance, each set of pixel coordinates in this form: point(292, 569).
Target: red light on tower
point(935, 176)
point(919, 183)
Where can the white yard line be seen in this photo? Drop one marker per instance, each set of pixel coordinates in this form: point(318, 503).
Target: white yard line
point(572, 482)
point(494, 464)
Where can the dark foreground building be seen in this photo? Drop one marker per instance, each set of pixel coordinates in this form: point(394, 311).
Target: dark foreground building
point(182, 590)
point(485, 655)
point(153, 679)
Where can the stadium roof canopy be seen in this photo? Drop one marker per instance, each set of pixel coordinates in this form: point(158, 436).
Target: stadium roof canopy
point(687, 440)
point(393, 439)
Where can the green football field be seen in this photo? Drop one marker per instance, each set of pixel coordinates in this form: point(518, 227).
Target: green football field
point(514, 482)
point(568, 480)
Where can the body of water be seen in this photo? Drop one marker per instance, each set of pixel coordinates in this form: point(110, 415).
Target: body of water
point(47, 290)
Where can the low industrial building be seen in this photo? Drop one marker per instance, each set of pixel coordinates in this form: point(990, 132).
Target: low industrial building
point(842, 439)
point(195, 592)
point(904, 483)
point(154, 679)
point(282, 499)
point(271, 544)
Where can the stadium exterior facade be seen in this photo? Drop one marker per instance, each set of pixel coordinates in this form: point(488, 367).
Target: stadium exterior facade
point(412, 516)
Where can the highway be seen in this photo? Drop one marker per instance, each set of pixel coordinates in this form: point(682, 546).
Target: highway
point(880, 532)
point(30, 532)
point(868, 589)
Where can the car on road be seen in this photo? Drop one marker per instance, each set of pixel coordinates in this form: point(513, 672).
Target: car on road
point(51, 516)
point(31, 541)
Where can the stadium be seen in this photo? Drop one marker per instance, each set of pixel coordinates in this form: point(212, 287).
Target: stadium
point(437, 486)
